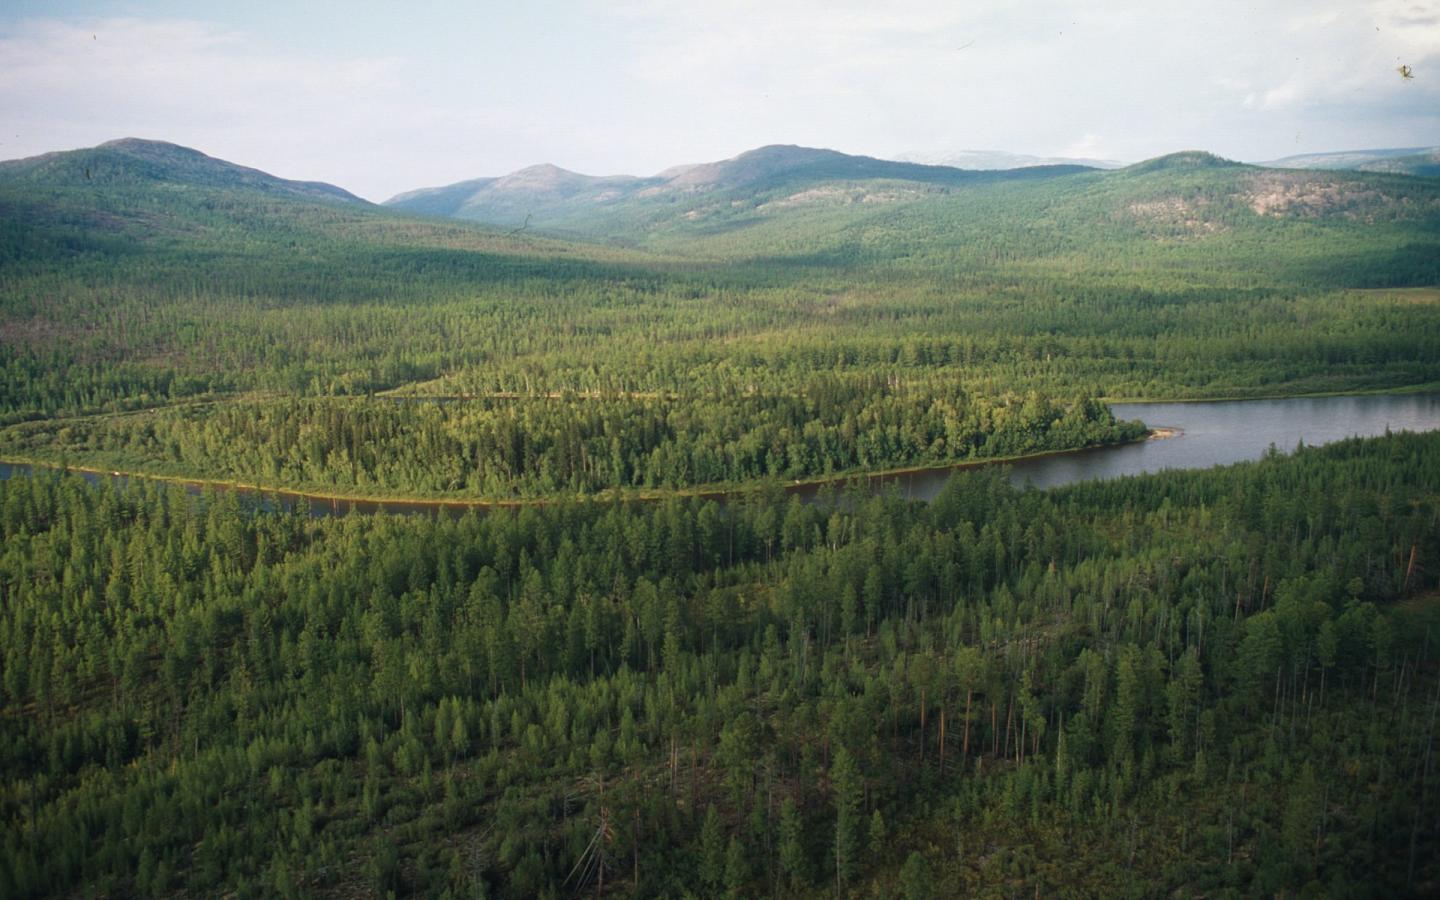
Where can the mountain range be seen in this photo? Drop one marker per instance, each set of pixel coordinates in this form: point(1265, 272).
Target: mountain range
point(546, 196)
point(1396, 161)
point(778, 199)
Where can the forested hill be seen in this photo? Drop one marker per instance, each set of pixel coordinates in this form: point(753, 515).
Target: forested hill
point(134, 163)
point(134, 198)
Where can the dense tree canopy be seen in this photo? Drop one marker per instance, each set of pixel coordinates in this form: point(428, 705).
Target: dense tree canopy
point(1221, 679)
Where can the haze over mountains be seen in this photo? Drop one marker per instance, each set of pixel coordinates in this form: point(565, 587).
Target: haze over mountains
point(1003, 159)
point(1398, 161)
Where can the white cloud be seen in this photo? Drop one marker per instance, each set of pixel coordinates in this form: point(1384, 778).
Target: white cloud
point(1278, 97)
point(914, 76)
point(1089, 146)
point(655, 83)
point(351, 120)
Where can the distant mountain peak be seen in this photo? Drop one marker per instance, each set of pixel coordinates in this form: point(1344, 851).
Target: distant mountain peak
point(1184, 159)
point(542, 176)
point(546, 170)
point(148, 145)
point(789, 153)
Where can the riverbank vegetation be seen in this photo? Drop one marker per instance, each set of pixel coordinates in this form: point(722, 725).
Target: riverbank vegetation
point(1225, 681)
point(534, 447)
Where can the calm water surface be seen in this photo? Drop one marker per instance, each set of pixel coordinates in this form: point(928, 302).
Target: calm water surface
point(1226, 432)
point(1209, 434)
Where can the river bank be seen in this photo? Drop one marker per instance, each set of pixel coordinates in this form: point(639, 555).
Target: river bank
point(287, 496)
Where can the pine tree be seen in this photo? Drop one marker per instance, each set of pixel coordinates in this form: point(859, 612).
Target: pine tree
point(712, 850)
point(737, 868)
point(846, 790)
point(793, 864)
point(877, 834)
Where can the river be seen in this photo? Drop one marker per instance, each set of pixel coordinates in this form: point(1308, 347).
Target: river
point(1206, 434)
point(1216, 433)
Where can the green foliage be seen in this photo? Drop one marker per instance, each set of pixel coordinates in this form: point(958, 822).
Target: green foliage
point(509, 447)
point(793, 863)
point(1206, 683)
point(712, 850)
point(916, 882)
point(846, 788)
point(878, 836)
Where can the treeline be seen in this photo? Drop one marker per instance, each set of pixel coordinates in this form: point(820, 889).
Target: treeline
point(526, 446)
point(1199, 683)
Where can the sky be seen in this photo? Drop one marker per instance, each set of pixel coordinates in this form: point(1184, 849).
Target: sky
point(385, 97)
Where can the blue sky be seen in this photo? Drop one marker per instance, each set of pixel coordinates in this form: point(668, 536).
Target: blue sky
point(380, 98)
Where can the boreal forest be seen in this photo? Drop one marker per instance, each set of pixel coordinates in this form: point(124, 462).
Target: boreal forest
point(613, 649)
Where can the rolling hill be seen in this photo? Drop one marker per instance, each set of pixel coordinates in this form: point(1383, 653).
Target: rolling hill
point(121, 195)
point(134, 163)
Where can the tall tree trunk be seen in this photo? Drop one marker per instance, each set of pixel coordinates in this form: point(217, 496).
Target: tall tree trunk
point(994, 726)
point(965, 744)
point(922, 726)
point(1009, 721)
point(942, 739)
